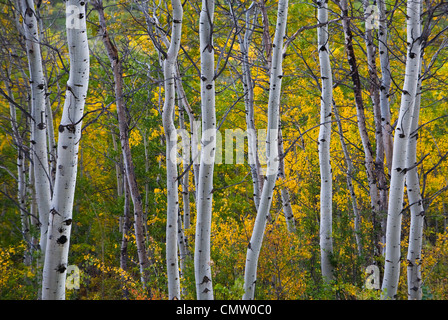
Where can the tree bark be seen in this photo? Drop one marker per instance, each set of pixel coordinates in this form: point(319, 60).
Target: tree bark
point(385, 83)
point(60, 218)
point(254, 161)
point(276, 74)
point(351, 189)
point(129, 169)
point(202, 262)
point(21, 177)
point(414, 258)
point(402, 132)
point(361, 121)
point(326, 193)
point(374, 90)
point(286, 198)
point(169, 67)
point(39, 112)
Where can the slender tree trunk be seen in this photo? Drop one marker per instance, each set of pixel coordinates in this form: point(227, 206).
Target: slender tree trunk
point(126, 226)
point(117, 70)
point(169, 67)
point(254, 247)
point(402, 132)
point(254, 161)
point(21, 178)
point(361, 120)
point(374, 89)
point(351, 189)
point(286, 198)
point(185, 180)
point(39, 112)
point(202, 262)
point(414, 258)
point(326, 193)
point(60, 219)
point(194, 142)
point(385, 83)
point(118, 167)
point(183, 250)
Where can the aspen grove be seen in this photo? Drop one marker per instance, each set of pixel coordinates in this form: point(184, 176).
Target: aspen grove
point(223, 149)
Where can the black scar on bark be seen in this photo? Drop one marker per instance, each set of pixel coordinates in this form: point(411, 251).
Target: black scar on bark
point(61, 268)
point(62, 239)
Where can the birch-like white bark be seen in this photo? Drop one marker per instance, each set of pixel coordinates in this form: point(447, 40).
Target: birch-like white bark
point(39, 113)
point(385, 83)
point(276, 74)
point(194, 132)
point(254, 161)
point(185, 180)
point(202, 262)
point(374, 89)
point(326, 193)
point(169, 67)
point(402, 132)
point(60, 218)
point(414, 256)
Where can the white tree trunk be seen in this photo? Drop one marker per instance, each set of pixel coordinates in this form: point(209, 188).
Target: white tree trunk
point(39, 112)
point(326, 194)
point(185, 180)
point(385, 83)
point(169, 67)
point(414, 258)
point(374, 90)
point(254, 247)
point(252, 149)
point(194, 142)
point(402, 132)
point(60, 219)
point(202, 263)
point(386, 126)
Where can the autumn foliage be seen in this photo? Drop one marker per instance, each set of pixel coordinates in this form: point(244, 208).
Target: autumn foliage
point(289, 263)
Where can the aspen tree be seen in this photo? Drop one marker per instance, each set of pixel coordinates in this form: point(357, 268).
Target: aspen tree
point(400, 147)
point(129, 170)
point(169, 67)
point(362, 127)
point(374, 90)
point(385, 83)
point(349, 176)
point(60, 217)
point(248, 84)
point(39, 122)
point(326, 194)
point(272, 152)
point(202, 261)
point(416, 207)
